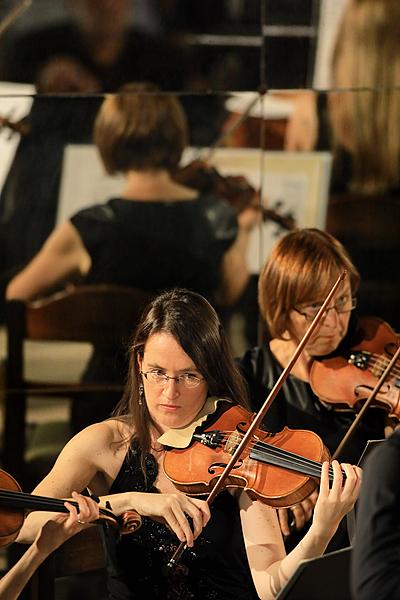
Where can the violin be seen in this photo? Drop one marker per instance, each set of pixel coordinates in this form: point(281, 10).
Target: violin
point(234, 188)
point(347, 380)
point(15, 505)
point(280, 469)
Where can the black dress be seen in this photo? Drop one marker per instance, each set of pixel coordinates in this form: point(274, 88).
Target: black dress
point(156, 245)
point(216, 568)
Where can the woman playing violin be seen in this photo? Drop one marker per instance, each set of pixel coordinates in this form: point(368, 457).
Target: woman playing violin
point(293, 283)
point(180, 365)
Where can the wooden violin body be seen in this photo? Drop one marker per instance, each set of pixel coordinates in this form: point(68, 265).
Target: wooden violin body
point(15, 505)
point(279, 469)
point(234, 188)
point(346, 381)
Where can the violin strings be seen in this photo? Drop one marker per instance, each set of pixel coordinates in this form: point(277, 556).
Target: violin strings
point(288, 459)
point(380, 361)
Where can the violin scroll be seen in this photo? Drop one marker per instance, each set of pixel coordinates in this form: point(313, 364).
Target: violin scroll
point(15, 505)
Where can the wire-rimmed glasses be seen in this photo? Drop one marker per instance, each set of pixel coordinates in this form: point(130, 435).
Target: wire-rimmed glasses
point(188, 380)
point(342, 305)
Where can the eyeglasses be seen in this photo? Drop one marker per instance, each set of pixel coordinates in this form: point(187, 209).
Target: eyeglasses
point(342, 305)
point(188, 380)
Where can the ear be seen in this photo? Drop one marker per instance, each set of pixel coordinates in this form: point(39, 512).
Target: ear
point(140, 361)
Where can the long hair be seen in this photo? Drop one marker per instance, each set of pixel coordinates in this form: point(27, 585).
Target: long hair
point(365, 109)
point(195, 325)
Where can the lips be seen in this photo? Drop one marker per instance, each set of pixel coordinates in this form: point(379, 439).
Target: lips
point(169, 407)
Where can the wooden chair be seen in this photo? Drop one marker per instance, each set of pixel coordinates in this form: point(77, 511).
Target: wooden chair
point(99, 314)
point(81, 559)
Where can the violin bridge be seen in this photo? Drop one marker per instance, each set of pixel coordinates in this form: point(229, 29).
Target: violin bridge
point(232, 442)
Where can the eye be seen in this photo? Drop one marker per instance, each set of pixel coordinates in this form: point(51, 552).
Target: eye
point(157, 372)
point(190, 377)
point(314, 306)
point(343, 300)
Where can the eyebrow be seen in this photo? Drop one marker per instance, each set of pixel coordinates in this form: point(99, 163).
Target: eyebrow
point(185, 370)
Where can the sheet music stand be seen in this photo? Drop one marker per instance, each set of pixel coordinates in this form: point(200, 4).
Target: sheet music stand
point(318, 578)
point(371, 444)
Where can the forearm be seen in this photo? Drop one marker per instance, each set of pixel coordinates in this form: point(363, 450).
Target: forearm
point(312, 545)
point(116, 503)
point(235, 273)
point(12, 584)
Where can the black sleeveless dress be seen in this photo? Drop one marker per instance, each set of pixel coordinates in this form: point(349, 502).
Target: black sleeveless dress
point(216, 568)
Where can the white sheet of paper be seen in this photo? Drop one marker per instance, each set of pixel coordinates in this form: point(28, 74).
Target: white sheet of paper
point(15, 103)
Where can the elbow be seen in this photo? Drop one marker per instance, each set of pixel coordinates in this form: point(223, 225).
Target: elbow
point(12, 291)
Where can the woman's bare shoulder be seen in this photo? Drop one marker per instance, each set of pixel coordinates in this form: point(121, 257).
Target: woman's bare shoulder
point(99, 439)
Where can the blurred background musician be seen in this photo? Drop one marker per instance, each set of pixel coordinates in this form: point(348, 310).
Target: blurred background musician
point(364, 208)
point(159, 234)
point(359, 122)
point(96, 49)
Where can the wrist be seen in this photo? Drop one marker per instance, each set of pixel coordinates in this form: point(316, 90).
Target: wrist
point(320, 535)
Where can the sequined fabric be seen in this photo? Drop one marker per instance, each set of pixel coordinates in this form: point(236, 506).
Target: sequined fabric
point(215, 568)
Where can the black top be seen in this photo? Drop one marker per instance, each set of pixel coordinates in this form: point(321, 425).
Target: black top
point(296, 406)
point(215, 568)
point(376, 554)
point(158, 245)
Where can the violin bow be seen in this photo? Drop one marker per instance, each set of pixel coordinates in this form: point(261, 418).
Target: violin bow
point(265, 407)
point(367, 403)
point(13, 15)
point(237, 123)
point(207, 155)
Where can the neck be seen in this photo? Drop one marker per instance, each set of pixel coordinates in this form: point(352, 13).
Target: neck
point(283, 351)
point(155, 185)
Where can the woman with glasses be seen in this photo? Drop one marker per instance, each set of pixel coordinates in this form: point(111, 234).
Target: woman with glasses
point(180, 370)
point(299, 273)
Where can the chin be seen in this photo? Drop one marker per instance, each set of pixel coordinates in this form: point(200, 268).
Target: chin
point(325, 347)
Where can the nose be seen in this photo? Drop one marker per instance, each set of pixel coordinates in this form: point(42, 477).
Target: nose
point(331, 317)
point(171, 388)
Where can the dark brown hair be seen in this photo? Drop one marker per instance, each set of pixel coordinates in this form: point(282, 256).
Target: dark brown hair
point(195, 325)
